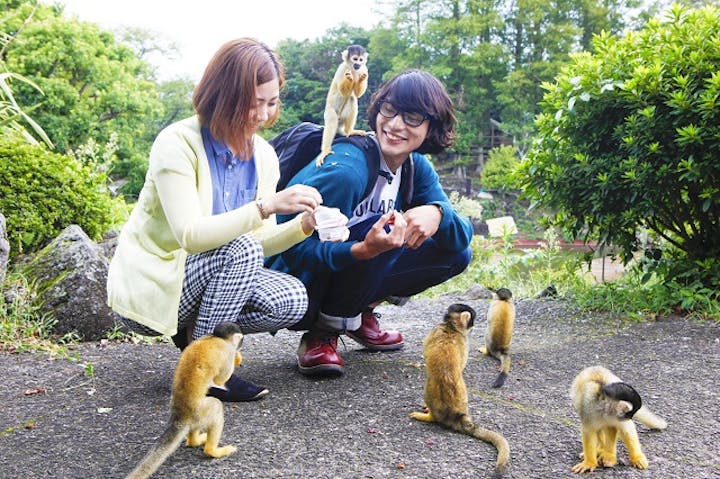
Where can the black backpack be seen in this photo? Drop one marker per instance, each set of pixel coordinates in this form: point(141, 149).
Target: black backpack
point(300, 144)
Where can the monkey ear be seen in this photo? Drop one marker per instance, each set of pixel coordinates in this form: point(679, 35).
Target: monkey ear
point(468, 319)
point(624, 393)
point(623, 407)
point(237, 340)
point(345, 55)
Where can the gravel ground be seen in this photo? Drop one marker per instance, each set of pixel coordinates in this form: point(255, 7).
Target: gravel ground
point(57, 422)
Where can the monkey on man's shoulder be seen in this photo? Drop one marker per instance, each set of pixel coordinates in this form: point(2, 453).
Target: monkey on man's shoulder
point(341, 105)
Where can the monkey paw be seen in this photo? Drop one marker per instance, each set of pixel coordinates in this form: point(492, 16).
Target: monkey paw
point(640, 461)
point(584, 466)
point(607, 459)
point(362, 77)
point(217, 452)
point(321, 157)
point(422, 416)
point(196, 439)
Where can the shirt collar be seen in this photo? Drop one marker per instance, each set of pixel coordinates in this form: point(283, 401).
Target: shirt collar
point(219, 148)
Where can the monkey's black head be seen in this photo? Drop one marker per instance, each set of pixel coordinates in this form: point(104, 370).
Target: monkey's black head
point(503, 294)
point(355, 54)
point(458, 308)
point(227, 329)
point(624, 392)
point(356, 50)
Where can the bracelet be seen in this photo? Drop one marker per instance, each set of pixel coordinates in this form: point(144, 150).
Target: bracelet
point(262, 212)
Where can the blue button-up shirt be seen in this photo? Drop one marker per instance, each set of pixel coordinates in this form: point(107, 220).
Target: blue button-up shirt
point(234, 180)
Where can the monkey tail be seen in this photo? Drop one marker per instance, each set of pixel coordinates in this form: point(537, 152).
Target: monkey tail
point(504, 370)
point(466, 426)
point(650, 419)
point(166, 445)
point(500, 380)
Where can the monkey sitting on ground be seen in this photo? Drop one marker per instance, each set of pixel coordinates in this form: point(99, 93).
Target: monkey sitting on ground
point(446, 399)
point(341, 105)
point(211, 358)
point(606, 406)
point(501, 319)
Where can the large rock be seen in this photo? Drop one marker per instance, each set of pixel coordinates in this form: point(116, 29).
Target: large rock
point(71, 276)
point(4, 249)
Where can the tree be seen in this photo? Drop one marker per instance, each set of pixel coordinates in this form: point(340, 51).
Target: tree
point(629, 137)
point(92, 86)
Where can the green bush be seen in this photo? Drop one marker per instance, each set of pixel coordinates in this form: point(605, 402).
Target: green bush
point(41, 193)
point(629, 138)
point(497, 174)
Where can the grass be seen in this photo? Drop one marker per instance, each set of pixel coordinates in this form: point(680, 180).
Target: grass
point(22, 326)
point(635, 295)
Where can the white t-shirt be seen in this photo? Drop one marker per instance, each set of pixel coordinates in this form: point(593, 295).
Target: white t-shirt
point(381, 199)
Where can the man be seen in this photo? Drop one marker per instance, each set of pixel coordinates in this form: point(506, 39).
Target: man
point(404, 236)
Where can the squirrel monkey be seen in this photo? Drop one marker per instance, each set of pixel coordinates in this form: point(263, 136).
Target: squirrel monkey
point(606, 406)
point(445, 351)
point(501, 319)
point(341, 105)
point(211, 358)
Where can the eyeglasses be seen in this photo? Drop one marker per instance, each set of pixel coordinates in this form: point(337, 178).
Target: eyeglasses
point(410, 118)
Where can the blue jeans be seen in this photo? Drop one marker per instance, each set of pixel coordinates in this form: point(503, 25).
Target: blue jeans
point(398, 272)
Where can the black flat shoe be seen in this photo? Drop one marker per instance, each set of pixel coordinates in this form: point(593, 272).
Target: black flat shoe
point(180, 339)
point(238, 390)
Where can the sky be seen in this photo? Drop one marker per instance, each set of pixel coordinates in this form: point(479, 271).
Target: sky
point(199, 28)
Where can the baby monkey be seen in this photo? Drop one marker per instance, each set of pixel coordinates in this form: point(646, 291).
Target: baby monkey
point(446, 399)
point(606, 406)
point(501, 320)
point(211, 358)
point(341, 105)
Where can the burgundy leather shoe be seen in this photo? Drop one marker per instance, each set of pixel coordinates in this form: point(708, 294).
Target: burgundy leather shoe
point(317, 355)
point(372, 337)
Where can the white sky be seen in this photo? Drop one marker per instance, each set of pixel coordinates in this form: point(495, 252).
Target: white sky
point(199, 28)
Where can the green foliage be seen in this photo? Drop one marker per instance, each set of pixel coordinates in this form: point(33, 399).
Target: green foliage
point(497, 174)
point(22, 326)
point(466, 206)
point(42, 192)
point(639, 294)
point(12, 116)
point(92, 85)
point(629, 137)
point(497, 263)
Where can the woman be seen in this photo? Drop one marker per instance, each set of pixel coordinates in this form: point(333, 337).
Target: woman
point(191, 254)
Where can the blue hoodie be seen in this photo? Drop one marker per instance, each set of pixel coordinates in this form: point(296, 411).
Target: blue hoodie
point(341, 181)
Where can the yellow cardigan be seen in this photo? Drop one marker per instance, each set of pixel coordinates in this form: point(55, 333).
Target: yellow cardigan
point(173, 218)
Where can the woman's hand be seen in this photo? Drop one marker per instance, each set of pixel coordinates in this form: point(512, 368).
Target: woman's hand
point(293, 200)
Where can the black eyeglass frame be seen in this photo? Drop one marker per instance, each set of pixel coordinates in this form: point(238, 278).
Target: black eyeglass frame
point(412, 122)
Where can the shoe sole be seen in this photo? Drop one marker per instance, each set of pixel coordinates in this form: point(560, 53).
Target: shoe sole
point(224, 397)
point(376, 347)
point(321, 370)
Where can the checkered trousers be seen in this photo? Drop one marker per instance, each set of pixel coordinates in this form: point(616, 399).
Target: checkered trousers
point(230, 283)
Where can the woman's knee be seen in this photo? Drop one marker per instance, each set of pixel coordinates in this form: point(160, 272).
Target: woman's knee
point(243, 249)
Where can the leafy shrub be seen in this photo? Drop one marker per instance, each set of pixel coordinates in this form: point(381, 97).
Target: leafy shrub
point(497, 174)
point(629, 138)
point(42, 192)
